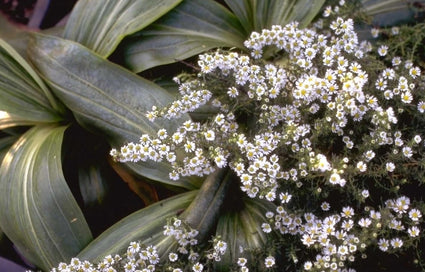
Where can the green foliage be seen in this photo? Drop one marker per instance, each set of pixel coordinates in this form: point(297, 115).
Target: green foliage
point(24, 98)
point(183, 33)
point(68, 81)
point(38, 212)
point(112, 21)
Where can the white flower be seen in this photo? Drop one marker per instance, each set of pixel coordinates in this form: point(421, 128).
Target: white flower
point(285, 197)
point(173, 257)
point(383, 244)
point(383, 50)
point(220, 247)
point(266, 228)
point(220, 161)
point(325, 206)
point(407, 152)
point(365, 222)
point(189, 146)
point(396, 242)
point(413, 231)
point(369, 155)
point(219, 119)
point(242, 261)
point(406, 97)
point(374, 32)
point(415, 214)
point(389, 166)
point(335, 178)
point(198, 267)
point(327, 11)
point(209, 135)
point(162, 134)
point(395, 30)
point(308, 265)
point(322, 164)
point(233, 92)
point(269, 261)
point(421, 106)
point(414, 72)
point(361, 166)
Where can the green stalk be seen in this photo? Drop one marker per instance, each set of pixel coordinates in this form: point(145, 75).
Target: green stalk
point(203, 212)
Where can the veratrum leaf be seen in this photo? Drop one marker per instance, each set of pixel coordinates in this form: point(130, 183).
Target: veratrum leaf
point(241, 228)
point(101, 24)
point(256, 15)
point(192, 27)
point(392, 12)
point(145, 225)
point(104, 97)
point(5, 144)
point(24, 98)
point(37, 210)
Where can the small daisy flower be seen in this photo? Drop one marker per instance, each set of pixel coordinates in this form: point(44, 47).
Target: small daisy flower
point(383, 50)
point(383, 244)
point(266, 228)
point(173, 257)
point(198, 267)
point(335, 178)
point(406, 97)
point(389, 166)
point(413, 231)
point(396, 242)
point(361, 166)
point(415, 214)
point(308, 265)
point(269, 261)
point(285, 197)
point(374, 32)
point(325, 206)
point(242, 261)
point(414, 72)
point(209, 135)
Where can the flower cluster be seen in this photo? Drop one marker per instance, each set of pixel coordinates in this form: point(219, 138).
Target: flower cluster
point(184, 235)
point(324, 115)
point(137, 258)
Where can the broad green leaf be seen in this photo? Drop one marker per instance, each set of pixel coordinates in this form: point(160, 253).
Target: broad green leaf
point(145, 225)
point(192, 27)
point(37, 210)
point(391, 12)
point(24, 98)
point(256, 15)
point(101, 24)
point(105, 98)
point(241, 228)
point(5, 144)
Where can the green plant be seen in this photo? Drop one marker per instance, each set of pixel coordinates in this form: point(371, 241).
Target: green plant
point(315, 150)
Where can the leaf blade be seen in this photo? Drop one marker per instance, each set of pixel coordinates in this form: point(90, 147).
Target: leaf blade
point(38, 212)
point(113, 21)
point(145, 225)
point(25, 99)
point(105, 98)
point(256, 15)
point(182, 33)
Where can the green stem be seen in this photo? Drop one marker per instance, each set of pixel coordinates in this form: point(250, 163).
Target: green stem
point(204, 210)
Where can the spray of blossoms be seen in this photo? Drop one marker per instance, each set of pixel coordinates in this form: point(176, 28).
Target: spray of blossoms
point(322, 128)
